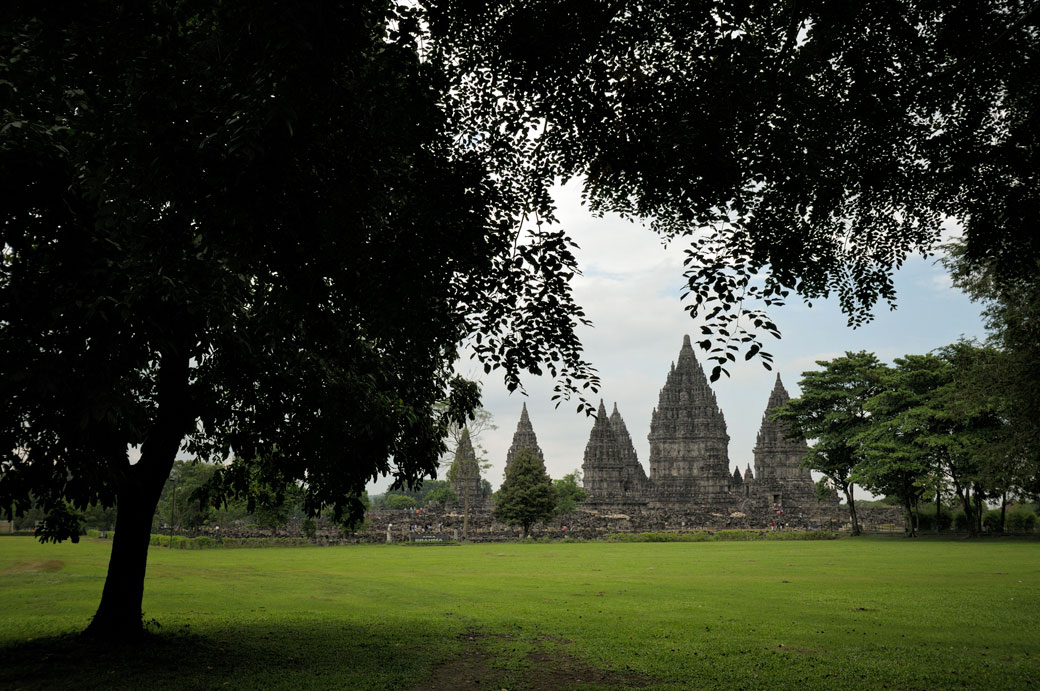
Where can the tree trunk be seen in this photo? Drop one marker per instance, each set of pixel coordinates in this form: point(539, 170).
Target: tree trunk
point(1003, 510)
point(978, 511)
point(910, 530)
point(847, 488)
point(968, 513)
point(938, 507)
point(119, 617)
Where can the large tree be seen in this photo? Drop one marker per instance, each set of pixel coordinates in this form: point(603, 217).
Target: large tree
point(975, 435)
point(831, 411)
point(1003, 376)
point(243, 230)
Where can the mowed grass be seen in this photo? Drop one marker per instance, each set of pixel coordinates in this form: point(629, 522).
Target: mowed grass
point(852, 613)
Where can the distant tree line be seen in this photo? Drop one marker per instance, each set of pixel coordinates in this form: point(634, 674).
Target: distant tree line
point(961, 423)
point(925, 430)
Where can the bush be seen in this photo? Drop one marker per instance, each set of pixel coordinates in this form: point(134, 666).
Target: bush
point(926, 518)
point(723, 536)
point(800, 535)
point(960, 520)
point(657, 537)
point(399, 501)
point(1020, 521)
point(735, 535)
point(991, 521)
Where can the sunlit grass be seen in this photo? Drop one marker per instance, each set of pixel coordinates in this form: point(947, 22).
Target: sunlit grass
point(845, 613)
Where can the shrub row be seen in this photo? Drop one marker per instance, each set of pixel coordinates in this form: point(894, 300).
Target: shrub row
point(204, 542)
point(1016, 521)
point(724, 536)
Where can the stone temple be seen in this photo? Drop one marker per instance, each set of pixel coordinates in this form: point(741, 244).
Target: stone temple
point(523, 438)
point(689, 455)
point(466, 476)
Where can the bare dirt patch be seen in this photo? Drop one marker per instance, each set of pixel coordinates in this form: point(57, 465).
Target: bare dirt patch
point(28, 566)
point(545, 671)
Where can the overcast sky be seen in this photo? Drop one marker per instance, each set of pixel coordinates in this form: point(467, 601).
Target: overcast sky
point(630, 290)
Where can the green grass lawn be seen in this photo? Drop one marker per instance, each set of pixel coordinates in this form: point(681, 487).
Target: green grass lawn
point(852, 613)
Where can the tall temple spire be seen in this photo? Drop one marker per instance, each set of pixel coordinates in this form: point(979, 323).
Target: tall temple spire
point(465, 472)
point(523, 438)
point(634, 477)
point(689, 459)
point(624, 439)
point(780, 477)
point(612, 474)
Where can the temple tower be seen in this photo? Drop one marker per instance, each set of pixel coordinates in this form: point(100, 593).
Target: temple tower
point(634, 477)
point(523, 438)
point(610, 466)
point(465, 474)
point(779, 475)
point(689, 458)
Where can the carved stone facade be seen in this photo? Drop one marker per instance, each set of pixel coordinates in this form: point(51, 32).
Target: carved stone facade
point(779, 475)
point(466, 474)
point(612, 474)
point(689, 457)
point(523, 438)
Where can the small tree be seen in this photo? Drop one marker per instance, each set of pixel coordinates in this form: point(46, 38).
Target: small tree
point(831, 411)
point(569, 493)
point(527, 495)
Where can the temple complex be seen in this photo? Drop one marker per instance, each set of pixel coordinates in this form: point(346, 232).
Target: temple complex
point(689, 456)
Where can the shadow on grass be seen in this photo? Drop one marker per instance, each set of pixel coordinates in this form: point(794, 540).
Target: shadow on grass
point(318, 655)
point(310, 655)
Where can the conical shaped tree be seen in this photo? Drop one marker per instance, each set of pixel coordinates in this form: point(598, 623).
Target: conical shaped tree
point(527, 495)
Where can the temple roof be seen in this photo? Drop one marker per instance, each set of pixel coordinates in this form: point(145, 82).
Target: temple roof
point(771, 430)
point(523, 438)
point(602, 448)
point(687, 404)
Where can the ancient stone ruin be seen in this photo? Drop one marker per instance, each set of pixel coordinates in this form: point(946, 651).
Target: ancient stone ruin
point(689, 455)
point(690, 485)
point(466, 474)
point(523, 438)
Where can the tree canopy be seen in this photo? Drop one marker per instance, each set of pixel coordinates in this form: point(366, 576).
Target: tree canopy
point(569, 493)
point(243, 229)
point(816, 143)
point(831, 410)
point(527, 495)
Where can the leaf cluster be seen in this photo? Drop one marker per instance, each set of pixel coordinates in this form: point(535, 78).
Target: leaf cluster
point(527, 495)
point(814, 146)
